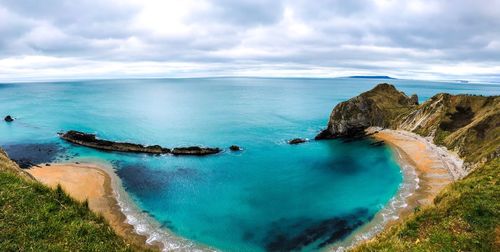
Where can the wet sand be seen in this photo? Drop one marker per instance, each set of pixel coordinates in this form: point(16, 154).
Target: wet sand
point(91, 182)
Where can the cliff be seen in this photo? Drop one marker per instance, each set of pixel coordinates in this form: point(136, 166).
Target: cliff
point(377, 107)
point(37, 218)
point(465, 124)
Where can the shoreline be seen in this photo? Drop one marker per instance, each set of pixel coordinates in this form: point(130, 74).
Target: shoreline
point(96, 181)
point(92, 182)
point(426, 168)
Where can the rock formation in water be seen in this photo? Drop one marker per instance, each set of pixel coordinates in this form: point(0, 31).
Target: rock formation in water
point(194, 151)
point(90, 140)
point(466, 124)
point(8, 118)
point(234, 148)
point(297, 141)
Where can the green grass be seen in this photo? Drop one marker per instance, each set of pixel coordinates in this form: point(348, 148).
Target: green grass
point(36, 218)
point(465, 217)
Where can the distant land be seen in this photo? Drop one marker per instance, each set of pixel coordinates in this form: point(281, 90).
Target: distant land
point(371, 77)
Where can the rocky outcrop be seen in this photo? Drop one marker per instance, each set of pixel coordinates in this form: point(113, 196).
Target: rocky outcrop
point(195, 151)
point(377, 107)
point(297, 141)
point(8, 119)
point(466, 124)
point(234, 148)
point(90, 140)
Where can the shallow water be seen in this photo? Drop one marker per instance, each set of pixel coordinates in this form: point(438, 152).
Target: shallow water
point(270, 196)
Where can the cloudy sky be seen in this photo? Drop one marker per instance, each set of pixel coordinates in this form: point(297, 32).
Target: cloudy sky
point(73, 39)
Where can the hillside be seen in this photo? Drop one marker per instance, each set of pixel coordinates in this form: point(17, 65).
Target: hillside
point(466, 214)
point(34, 217)
point(465, 217)
point(466, 124)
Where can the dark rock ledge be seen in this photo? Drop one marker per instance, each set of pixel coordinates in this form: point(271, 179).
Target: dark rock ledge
point(90, 140)
point(235, 148)
point(297, 141)
point(195, 151)
point(8, 119)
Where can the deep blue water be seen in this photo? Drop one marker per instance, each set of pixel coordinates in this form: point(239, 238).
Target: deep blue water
point(271, 196)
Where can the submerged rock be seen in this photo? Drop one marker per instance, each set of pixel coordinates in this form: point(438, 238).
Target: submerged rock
point(8, 118)
point(234, 148)
point(90, 140)
point(377, 143)
point(297, 141)
point(195, 151)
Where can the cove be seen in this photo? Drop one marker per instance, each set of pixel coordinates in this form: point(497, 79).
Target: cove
point(271, 196)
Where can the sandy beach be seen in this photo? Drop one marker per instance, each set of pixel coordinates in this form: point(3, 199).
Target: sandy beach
point(91, 182)
point(435, 166)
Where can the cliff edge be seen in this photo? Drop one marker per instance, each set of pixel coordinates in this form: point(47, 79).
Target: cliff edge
point(466, 124)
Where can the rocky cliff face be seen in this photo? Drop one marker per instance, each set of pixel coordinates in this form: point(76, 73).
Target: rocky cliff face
point(466, 124)
point(377, 107)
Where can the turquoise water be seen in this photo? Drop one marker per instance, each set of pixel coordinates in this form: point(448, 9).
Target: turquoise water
point(271, 196)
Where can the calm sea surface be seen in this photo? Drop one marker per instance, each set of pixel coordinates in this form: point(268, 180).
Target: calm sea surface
point(270, 196)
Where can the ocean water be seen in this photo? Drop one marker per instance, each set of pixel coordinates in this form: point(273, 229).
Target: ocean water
point(270, 196)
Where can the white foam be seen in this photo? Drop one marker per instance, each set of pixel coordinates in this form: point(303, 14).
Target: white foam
point(145, 225)
point(142, 223)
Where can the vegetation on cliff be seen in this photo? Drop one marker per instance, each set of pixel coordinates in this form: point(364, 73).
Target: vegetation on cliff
point(466, 124)
point(465, 217)
point(377, 107)
point(36, 218)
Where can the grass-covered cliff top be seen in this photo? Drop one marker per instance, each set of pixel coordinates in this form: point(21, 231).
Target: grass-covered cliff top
point(465, 217)
point(36, 218)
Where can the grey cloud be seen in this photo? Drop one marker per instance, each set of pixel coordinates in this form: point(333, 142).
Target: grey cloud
point(344, 34)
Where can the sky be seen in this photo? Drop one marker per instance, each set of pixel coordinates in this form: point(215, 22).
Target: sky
point(88, 39)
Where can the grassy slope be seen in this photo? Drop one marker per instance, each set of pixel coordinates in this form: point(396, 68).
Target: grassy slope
point(466, 217)
point(34, 217)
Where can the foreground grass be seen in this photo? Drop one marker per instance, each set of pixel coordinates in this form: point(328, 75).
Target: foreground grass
point(36, 218)
point(466, 217)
